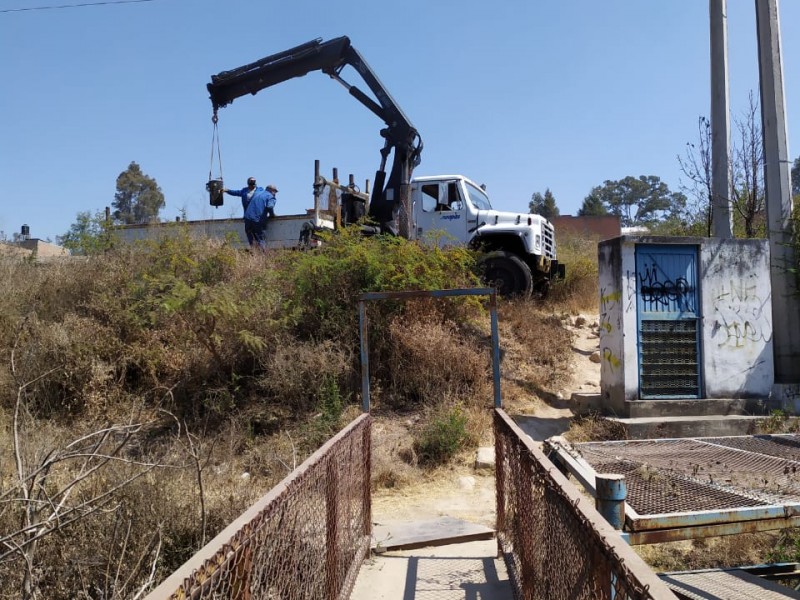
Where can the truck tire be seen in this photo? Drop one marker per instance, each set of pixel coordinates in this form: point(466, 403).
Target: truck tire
point(507, 274)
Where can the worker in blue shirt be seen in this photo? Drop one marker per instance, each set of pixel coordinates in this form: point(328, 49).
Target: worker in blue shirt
point(259, 208)
point(246, 193)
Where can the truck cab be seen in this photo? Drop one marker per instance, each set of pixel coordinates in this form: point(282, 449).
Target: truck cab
point(519, 248)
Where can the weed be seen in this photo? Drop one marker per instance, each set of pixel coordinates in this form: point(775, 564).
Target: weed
point(595, 427)
point(442, 438)
point(778, 421)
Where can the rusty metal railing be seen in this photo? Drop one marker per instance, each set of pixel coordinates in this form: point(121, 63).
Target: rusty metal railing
point(306, 538)
point(555, 544)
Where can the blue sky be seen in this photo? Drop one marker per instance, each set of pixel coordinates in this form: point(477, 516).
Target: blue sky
point(521, 95)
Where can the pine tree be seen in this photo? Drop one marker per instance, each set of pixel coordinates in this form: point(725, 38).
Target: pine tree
point(544, 205)
point(138, 198)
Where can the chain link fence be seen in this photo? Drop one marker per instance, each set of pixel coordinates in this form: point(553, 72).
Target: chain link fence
point(555, 544)
point(305, 539)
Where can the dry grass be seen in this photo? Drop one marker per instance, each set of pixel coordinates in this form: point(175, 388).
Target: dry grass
point(212, 336)
point(594, 428)
point(579, 291)
point(536, 353)
point(709, 553)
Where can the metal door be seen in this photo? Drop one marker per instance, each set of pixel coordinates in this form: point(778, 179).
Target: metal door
point(668, 321)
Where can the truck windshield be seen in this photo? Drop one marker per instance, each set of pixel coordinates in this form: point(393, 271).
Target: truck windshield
point(478, 197)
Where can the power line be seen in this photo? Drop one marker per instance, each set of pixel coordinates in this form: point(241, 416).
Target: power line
point(84, 4)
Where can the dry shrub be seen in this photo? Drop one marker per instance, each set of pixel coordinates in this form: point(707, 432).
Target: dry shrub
point(295, 372)
point(432, 361)
point(536, 346)
point(594, 427)
point(109, 553)
point(710, 553)
point(393, 459)
point(579, 291)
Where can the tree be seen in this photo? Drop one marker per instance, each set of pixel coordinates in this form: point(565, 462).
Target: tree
point(747, 173)
point(592, 207)
point(796, 177)
point(87, 235)
point(544, 205)
point(696, 165)
point(642, 200)
point(746, 192)
point(138, 198)
point(54, 486)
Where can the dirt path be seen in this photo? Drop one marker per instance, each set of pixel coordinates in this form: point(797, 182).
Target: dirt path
point(465, 493)
point(553, 415)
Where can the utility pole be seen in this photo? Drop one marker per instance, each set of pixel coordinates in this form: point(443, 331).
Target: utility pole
point(721, 216)
point(777, 183)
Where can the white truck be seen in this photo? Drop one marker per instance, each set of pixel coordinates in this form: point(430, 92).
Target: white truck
point(519, 249)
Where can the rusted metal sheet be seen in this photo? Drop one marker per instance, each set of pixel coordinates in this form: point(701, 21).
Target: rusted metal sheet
point(713, 517)
point(657, 536)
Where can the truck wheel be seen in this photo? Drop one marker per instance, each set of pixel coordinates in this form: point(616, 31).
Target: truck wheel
point(507, 274)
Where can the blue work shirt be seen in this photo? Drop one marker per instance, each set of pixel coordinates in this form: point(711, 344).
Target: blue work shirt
point(256, 210)
point(243, 193)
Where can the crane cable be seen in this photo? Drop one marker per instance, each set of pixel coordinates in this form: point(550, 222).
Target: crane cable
point(215, 139)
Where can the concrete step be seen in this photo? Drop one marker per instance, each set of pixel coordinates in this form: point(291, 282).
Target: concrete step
point(583, 403)
point(694, 407)
point(640, 428)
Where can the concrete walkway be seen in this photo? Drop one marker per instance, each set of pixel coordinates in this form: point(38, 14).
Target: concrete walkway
point(467, 571)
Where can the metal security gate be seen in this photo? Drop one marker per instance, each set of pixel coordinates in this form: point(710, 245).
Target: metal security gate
point(668, 320)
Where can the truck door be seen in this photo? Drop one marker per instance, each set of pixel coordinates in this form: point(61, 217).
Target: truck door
point(441, 216)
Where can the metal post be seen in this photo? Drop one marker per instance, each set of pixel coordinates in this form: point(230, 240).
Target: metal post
point(317, 193)
point(611, 492)
point(777, 184)
point(498, 399)
point(362, 327)
point(331, 530)
point(722, 218)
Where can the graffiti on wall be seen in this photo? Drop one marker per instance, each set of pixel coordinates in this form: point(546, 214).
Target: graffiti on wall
point(661, 294)
point(610, 321)
point(741, 315)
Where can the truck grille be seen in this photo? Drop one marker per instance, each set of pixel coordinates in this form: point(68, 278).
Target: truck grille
point(548, 240)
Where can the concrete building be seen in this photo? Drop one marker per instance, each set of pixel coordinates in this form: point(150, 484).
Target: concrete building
point(685, 318)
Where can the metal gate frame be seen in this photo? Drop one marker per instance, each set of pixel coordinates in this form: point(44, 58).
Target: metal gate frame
point(671, 293)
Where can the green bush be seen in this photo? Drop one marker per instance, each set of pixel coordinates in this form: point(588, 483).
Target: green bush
point(325, 284)
point(442, 438)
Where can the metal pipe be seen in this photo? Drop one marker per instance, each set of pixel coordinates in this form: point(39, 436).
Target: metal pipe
point(364, 344)
point(498, 399)
point(317, 193)
point(610, 498)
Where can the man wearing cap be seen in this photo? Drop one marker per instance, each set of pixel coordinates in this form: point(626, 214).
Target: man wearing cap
point(246, 193)
point(271, 202)
point(259, 208)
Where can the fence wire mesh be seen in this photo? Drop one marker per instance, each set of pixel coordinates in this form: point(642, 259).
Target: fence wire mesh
point(305, 539)
point(554, 542)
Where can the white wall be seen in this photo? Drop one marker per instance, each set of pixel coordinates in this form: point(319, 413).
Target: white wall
point(735, 309)
point(737, 318)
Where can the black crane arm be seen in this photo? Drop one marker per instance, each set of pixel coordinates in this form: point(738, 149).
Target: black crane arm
point(390, 198)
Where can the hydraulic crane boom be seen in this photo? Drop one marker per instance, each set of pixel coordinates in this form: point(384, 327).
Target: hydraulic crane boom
point(390, 201)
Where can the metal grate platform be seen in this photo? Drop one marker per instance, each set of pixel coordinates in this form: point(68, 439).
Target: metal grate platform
point(682, 475)
point(733, 584)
